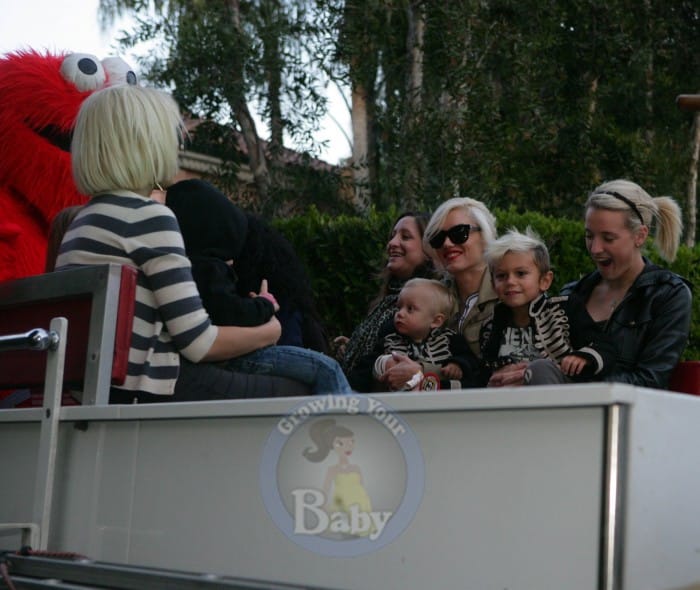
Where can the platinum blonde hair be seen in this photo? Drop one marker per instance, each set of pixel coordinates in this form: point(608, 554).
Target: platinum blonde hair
point(515, 241)
point(664, 210)
point(126, 137)
point(442, 298)
point(475, 209)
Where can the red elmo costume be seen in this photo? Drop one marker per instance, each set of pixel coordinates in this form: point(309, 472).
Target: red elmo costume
point(40, 95)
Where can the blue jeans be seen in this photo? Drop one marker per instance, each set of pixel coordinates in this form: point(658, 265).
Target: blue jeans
point(320, 372)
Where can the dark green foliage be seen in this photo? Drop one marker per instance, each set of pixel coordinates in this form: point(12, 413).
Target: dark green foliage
point(520, 103)
point(344, 255)
point(215, 140)
point(531, 103)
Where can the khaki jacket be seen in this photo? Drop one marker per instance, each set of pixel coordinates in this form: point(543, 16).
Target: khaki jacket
point(480, 313)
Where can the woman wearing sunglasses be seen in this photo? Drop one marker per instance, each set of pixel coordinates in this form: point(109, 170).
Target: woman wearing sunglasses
point(455, 238)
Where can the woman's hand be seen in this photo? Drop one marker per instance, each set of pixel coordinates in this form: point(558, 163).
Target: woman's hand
point(397, 376)
point(508, 376)
point(233, 341)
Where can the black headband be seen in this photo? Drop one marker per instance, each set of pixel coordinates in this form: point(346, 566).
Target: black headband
point(625, 200)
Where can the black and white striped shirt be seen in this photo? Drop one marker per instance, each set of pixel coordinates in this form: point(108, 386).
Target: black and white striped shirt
point(125, 228)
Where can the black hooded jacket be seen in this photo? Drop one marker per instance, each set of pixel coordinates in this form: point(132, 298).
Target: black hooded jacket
point(214, 231)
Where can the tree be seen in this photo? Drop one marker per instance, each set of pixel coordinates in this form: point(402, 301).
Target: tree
point(517, 102)
point(218, 57)
point(532, 104)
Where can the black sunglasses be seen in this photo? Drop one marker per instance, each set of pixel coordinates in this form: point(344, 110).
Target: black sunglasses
point(458, 234)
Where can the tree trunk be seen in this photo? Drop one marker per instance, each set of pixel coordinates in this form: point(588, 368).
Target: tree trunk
point(590, 116)
point(274, 81)
point(256, 153)
point(360, 147)
point(273, 66)
point(361, 55)
point(414, 47)
point(274, 90)
point(414, 157)
point(691, 225)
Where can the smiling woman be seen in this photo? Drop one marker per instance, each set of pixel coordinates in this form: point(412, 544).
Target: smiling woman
point(457, 235)
point(405, 259)
point(644, 308)
point(459, 252)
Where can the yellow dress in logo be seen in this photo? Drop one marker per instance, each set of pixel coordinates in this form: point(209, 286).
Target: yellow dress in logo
point(348, 491)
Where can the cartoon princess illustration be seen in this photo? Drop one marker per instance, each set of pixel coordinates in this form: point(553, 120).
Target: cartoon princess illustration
point(345, 478)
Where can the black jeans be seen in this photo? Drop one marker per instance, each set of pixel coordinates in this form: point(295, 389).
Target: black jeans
point(210, 381)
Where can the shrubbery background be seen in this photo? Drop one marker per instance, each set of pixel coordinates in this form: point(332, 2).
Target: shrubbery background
point(344, 254)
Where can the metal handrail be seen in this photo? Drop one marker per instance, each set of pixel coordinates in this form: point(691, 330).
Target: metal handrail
point(36, 339)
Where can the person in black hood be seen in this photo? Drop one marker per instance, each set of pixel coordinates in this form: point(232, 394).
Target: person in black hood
point(222, 231)
point(215, 231)
point(267, 254)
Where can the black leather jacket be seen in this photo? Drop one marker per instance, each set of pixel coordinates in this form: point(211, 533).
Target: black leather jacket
point(650, 326)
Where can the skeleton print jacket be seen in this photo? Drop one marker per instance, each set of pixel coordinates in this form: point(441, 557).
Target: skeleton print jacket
point(559, 327)
point(442, 346)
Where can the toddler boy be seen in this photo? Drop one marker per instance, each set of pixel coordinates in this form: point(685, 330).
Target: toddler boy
point(423, 307)
point(555, 335)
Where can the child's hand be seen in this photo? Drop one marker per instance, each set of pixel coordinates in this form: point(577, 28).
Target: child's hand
point(452, 371)
point(572, 365)
point(267, 295)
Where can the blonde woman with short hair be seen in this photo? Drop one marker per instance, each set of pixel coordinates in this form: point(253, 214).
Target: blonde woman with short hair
point(126, 144)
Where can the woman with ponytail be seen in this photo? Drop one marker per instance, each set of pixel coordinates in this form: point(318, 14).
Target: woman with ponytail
point(644, 308)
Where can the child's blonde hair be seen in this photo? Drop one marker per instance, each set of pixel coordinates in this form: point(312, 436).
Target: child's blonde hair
point(443, 300)
point(515, 241)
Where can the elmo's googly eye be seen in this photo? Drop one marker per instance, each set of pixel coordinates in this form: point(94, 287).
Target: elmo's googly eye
point(119, 72)
point(83, 70)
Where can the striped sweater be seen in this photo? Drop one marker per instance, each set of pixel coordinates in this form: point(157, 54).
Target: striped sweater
point(125, 228)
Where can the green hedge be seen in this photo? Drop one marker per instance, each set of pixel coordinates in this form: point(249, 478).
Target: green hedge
point(344, 254)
